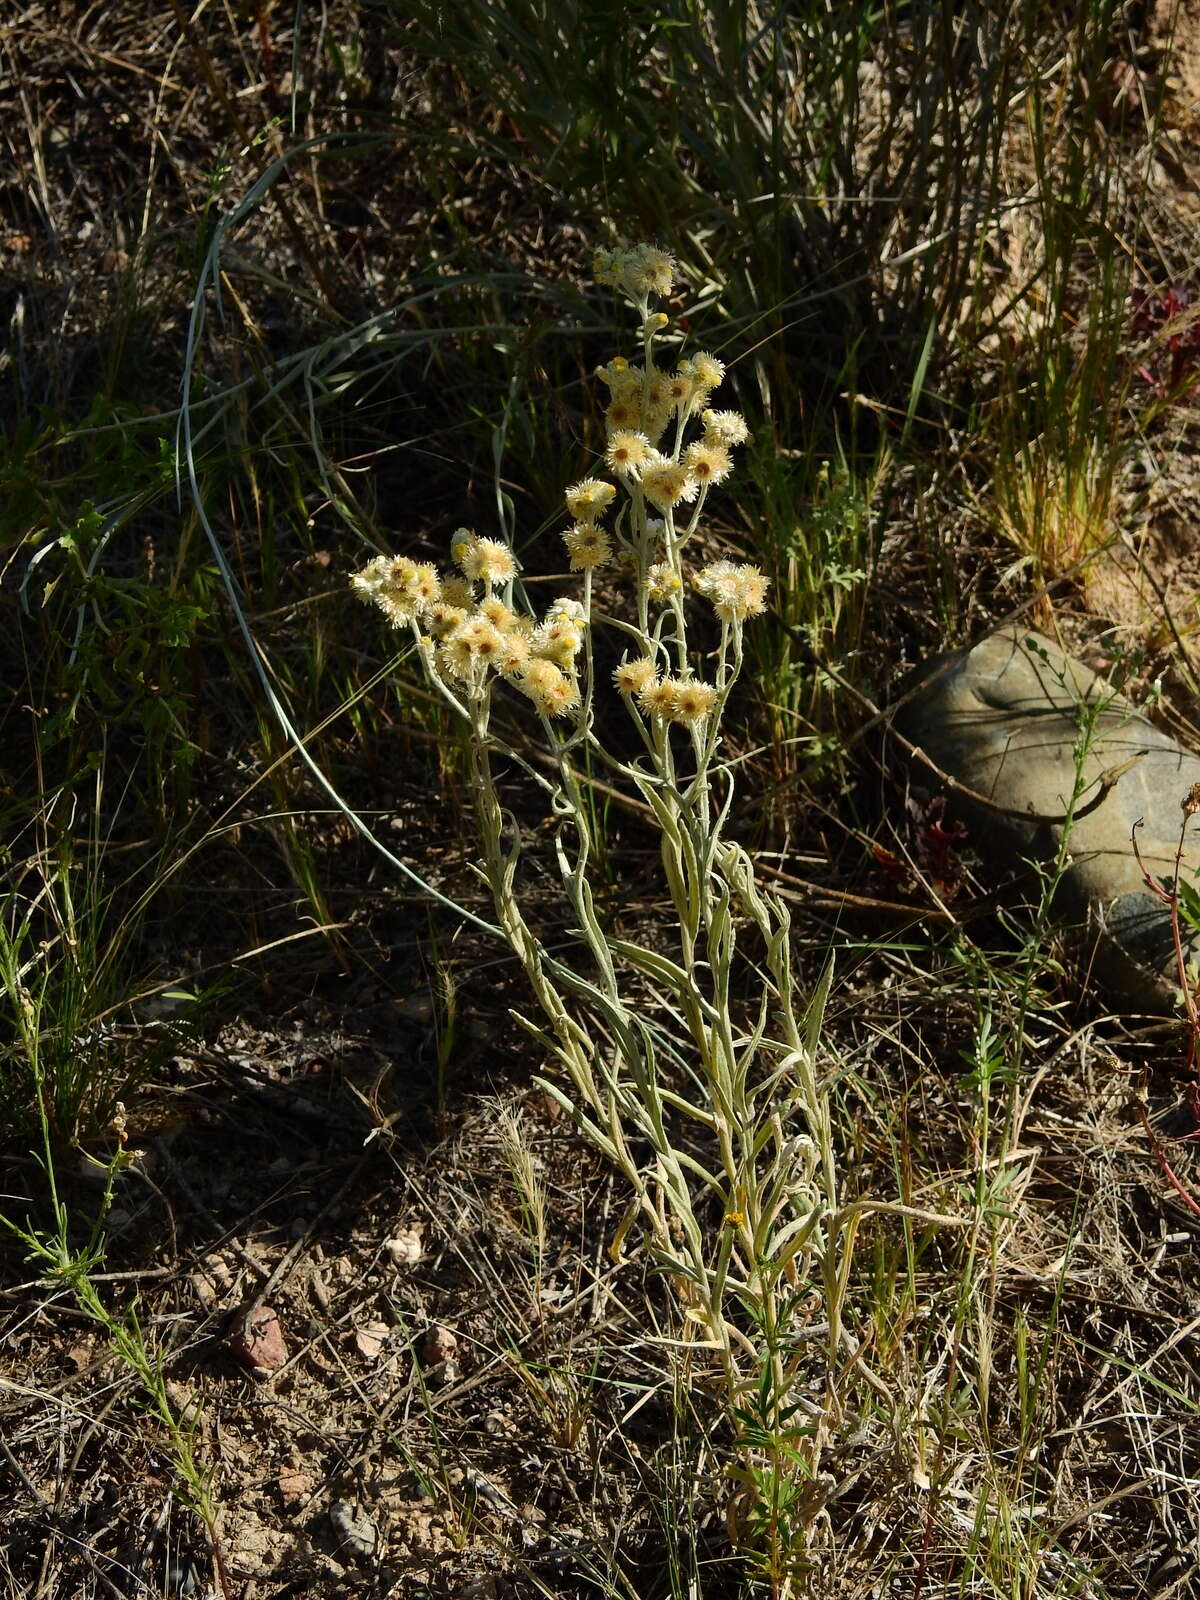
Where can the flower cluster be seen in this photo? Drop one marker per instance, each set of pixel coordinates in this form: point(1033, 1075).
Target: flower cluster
point(775, 1186)
point(737, 591)
point(639, 272)
point(470, 633)
point(643, 401)
point(402, 589)
point(684, 700)
point(464, 618)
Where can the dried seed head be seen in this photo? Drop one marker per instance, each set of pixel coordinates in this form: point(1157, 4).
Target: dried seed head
point(552, 692)
point(482, 639)
point(558, 641)
point(649, 271)
point(655, 396)
point(455, 658)
point(401, 588)
point(680, 390)
point(623, 414)
point(367, 581)
point(426, 584)
point(640, 271)
point(514, 654)
point(443, 618)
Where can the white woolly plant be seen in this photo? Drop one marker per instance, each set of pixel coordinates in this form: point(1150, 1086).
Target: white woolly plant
point(748, 1228)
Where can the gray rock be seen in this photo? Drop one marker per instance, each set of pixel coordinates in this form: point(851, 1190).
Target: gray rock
point(1044, 745)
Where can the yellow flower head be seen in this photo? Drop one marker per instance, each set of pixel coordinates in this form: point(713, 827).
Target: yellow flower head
point(680, 390)
point(627, 452)
point(724, 427)
point(588, 546)
point(708, 463)
point(615, 374)
point(552, 692)
point(558, 641)
point(462, 542)
point(666, 482)
point(586, 500)
point(442, 618)
point(658, 697)
point(706, 370)
point(497, 613)
point(606, 266)
point(490, 562)
point(482, 640)
point(458, 592)
point(736, 592)
point(693, 701)
point(631, 677)
point(564, 610)
point(514, 655)
point(662, 582)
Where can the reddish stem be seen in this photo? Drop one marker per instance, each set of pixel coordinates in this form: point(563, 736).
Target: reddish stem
point(268, 53)
point(1161, 1158)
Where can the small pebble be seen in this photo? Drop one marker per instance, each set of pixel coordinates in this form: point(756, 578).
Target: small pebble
point(354, 1527)
point(438, 1344)
point(405, 1249)
point(257, 1340)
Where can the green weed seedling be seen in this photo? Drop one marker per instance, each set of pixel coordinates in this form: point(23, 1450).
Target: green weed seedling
point(66, 1265)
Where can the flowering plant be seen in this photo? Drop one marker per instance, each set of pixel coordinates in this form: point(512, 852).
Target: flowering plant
point(719, 1078)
